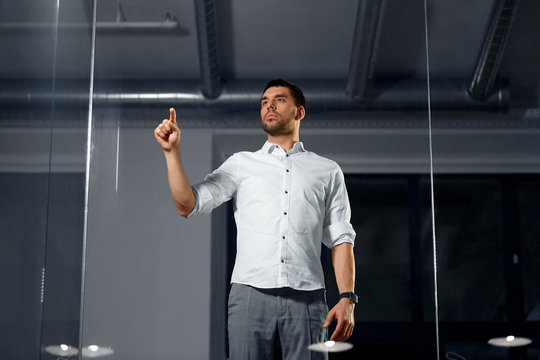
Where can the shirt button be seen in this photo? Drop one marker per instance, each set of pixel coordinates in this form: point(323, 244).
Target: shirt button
point(282, 260)
point(284, 213)
point(287, 155)
point(287, 170)
point(286, 192)
point(283, 237)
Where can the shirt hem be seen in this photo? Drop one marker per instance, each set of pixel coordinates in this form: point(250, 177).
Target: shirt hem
point(315, 287)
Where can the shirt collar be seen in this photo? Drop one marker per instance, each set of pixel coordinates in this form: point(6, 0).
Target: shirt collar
point(269, 148)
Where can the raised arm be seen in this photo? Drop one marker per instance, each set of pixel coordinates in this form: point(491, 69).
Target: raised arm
point(168, 136)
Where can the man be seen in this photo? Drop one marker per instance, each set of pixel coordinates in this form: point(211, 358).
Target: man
point(286, 202)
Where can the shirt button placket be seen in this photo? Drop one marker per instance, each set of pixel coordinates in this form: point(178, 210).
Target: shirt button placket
point(285, 216)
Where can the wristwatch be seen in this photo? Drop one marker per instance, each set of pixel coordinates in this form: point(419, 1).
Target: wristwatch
point(349, 295)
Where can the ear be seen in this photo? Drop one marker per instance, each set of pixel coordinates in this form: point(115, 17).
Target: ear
point(300, 113)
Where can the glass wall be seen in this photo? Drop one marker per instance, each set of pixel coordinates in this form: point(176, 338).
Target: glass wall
point(147, 275)
point(155, 285)
point(485, 189)
point(95, 261)
point(45, 85)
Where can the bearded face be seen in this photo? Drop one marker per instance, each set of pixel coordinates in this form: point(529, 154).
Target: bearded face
point(276, 124)
point(279, 112)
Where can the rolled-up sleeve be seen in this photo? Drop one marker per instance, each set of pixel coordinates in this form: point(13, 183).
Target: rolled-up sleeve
point(216, 188)
point(337, 228)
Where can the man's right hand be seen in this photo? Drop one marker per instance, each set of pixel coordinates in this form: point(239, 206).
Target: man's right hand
point(168, 133)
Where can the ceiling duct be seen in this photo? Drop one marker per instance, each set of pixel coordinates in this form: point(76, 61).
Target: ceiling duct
point(365, 35)
point(244, 95)
point(205, 14)
point(489, 62)
point(170, 24)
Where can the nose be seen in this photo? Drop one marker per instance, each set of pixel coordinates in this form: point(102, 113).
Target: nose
point(271, 104)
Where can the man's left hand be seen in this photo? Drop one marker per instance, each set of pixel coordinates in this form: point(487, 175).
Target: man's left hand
point(343, 312)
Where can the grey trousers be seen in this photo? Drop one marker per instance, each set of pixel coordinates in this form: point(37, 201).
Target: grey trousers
point(265, 322)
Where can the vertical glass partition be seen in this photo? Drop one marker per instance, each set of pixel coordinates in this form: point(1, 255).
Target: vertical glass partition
point(145, 284)
point(486, 184)
point(156, 284)
point(45, 93)
point(95, 261)
point(390, 195)
point(24, 175)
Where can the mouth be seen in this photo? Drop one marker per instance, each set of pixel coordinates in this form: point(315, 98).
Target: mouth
point(271, 115)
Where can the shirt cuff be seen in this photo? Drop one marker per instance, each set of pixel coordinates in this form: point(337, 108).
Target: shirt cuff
point(195, 208)
point(203, 200)
point(338, 233)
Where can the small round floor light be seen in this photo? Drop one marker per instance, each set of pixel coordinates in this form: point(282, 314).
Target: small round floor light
point(61, 350)
point(95, 351)
point(510, 341)
point(330, 346)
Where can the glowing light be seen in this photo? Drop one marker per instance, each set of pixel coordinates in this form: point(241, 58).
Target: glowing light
point(330, 346)
point(96, 351)
point(510, 341)
point(62, 350)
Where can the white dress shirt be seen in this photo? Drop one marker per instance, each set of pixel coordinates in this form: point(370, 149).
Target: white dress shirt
point(285, 204)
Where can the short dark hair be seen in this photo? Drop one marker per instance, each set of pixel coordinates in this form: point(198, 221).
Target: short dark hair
point(296, 92)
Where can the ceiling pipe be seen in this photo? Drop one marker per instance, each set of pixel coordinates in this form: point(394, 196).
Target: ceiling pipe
point(238, 96)
point(489, 61)
point(205, 14)
point(365, 35)
point(169, 24)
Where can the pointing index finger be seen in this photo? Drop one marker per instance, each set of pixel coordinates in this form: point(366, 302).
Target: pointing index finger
point(173, 115)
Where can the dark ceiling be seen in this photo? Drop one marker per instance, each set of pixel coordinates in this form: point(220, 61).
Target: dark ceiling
point(368, 54)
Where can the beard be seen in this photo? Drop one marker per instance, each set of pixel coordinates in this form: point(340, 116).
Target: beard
point(279, 125)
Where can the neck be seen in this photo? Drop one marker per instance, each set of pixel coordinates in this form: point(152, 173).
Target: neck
point(285, 141)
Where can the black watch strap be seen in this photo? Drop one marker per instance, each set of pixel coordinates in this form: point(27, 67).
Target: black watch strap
point(349, 295)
